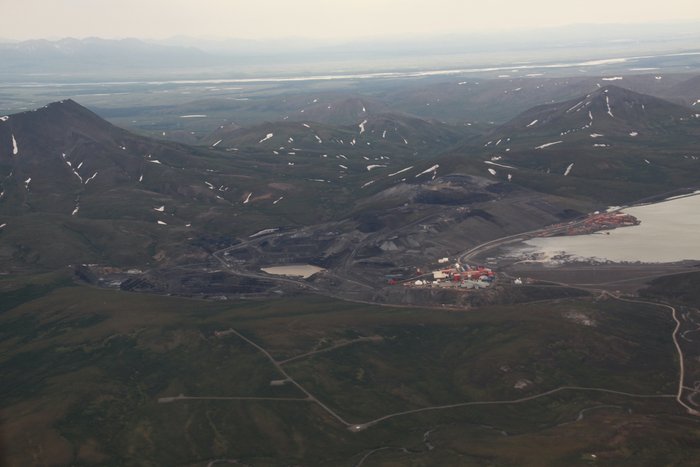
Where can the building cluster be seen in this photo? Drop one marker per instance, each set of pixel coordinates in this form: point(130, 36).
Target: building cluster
point(604, 221)
point(454, 276)
point(594, 223)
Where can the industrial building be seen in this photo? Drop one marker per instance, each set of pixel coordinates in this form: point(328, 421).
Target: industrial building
point(454, 276)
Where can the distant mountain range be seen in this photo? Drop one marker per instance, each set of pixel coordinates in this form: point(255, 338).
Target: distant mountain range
point(90, 55)
point(93, 56)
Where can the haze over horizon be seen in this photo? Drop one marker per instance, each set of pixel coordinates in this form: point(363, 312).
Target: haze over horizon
point(319, 19)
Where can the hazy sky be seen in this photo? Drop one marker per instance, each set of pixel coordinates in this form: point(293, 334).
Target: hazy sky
point(318, 19)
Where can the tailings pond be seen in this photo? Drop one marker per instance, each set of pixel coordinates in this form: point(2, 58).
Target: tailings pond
point(296, 270)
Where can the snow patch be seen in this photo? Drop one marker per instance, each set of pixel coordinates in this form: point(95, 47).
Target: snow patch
point(91, 178)
point(278, 200)
point(374, 166)
point(531, 123)
point(4, 118)
point(15, 150)
point(576, 106)
point(431, 169)
point(492, 172)
point(568, 169)
point(546, 145)
point(70, 166)
point(268, 136)
point(633, 133)
point(215, 144)
point(263, 232)
point(247, 199)
point(401, 171)
point(596, 135)
point(362, 125)
point(342, 166)
point(154, 161)
point(607, 102)
point(27, 182)
point(159, 209)
point(500, 165)
point(612, 78)
point(161, 223)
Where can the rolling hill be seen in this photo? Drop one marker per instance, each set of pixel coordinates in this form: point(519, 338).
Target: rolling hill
point(112, 197)
point(615, 111)
point(106, 195)
point(609, 146)
point(402, 136)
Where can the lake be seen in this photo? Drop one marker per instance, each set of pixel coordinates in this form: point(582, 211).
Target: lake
point(669, 232)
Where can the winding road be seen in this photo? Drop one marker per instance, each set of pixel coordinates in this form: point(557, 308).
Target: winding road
point(357, 427)
point(681, 357)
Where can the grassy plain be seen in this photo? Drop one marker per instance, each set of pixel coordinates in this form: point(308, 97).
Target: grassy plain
point(83, 369)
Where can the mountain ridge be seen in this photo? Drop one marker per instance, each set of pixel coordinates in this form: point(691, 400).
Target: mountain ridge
point(610, 108)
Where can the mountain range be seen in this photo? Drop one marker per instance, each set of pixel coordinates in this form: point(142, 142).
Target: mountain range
point(107, 195)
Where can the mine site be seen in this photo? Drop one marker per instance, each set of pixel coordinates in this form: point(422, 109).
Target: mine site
point(395, 267)
point(333, 234)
